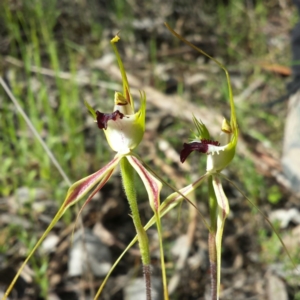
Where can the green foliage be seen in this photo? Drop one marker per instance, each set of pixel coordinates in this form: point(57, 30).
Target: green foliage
point(55, 107)
point(274, 194)
point(297, 296)
point(249, 20)
point(271, 247)
point(252, 181)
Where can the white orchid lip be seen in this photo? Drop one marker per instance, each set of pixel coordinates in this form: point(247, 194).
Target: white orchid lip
point(123, 132)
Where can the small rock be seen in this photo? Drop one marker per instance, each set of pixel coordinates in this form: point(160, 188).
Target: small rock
point(88, 253)
point(291, 144)
point(285, 216)
point(276, 288)
point(50, 242)
point(135, 290)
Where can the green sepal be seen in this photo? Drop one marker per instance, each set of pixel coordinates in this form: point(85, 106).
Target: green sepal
point(152, 184)
point(202, 131)
point(141, 114)
point(90, 109)
point(126, 90)
point(222, 212)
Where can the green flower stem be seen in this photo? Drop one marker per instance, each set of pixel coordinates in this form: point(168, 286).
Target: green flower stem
point(167, 205)
point(128, 174)
point(213, 206)
point(212, 249)
point(162, 257)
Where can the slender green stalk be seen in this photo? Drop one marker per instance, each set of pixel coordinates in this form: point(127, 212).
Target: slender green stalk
point(162, 257)
point(213, 205)
point(128, 173)
point(213, 209)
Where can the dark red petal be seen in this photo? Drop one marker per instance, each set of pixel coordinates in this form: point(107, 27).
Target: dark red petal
point(102, 118)
point(210, 142)
point(196, 146)
point(189, 148)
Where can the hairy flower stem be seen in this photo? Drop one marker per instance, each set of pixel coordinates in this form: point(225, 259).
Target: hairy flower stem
point(128, 173)
point(213, 265)
point(147, 276)
point(212, 239)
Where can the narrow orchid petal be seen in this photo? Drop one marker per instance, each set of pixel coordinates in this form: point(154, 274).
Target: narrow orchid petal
point(223, 211)
point(152, 185)
point(76, 192)
point(95, 191)
point(79, 189)
point(141, 114)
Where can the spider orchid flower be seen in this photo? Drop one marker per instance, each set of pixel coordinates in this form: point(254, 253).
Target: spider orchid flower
point(219, 154)
point(124, 129)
